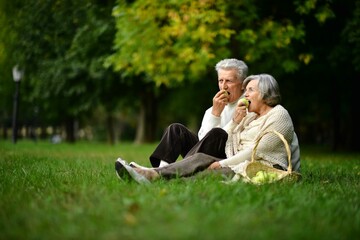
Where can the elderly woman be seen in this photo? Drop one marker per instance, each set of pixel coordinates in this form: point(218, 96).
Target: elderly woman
point(263, 113)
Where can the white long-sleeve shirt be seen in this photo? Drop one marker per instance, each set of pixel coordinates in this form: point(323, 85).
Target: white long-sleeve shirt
point(210, 121)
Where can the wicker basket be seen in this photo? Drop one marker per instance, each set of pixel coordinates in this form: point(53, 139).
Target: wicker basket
point(280, 175)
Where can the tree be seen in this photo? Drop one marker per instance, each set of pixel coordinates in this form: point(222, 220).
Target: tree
point(172, 43)
point(163, 57)
point(59, 44)
point(333, 37)
point(8, 59)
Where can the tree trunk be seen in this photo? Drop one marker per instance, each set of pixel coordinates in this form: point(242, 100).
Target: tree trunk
point(110, 122)
point(335, 108)
point(4, 130)
point(70, 128)
point(147, 121)
point(354, 130)
point(43, 133)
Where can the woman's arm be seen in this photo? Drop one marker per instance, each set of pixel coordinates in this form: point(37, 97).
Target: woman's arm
point(234, 160)
point(237, 158)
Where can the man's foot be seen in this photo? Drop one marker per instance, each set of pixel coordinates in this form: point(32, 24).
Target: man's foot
point(125, 172)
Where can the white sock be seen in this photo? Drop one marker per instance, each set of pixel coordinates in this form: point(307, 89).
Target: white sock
point(163, 163)
point(139, 166)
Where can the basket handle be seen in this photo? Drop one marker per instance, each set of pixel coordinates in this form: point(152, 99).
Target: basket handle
point(289, 169)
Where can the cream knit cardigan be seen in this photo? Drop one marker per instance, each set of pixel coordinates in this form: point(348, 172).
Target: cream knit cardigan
point(242, 138)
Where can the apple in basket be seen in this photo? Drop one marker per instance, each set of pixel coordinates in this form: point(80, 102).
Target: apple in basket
point(264, 177)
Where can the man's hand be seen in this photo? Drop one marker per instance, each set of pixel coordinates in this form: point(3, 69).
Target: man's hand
point(219, 102)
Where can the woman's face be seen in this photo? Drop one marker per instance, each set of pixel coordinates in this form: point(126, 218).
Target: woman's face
point(252, 94)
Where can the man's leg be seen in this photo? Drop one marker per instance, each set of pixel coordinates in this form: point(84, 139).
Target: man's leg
point(210, 149)
point(177, 140)
point(212, 144)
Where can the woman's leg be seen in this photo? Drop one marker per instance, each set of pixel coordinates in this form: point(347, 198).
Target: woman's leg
point(187, 167)
point(177, 140)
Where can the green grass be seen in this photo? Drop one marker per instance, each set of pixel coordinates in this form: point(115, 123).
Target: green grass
point(63, 191)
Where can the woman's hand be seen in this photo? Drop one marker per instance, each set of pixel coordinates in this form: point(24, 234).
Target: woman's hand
point(215, 165)
point(240, 110)
point(239, 114)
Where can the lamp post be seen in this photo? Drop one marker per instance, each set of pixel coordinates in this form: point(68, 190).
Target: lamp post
point(17, 75)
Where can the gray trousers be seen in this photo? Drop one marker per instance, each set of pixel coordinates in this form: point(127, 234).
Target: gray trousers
point(191, 165)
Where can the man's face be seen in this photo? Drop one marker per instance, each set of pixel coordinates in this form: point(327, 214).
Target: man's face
point(228, 80)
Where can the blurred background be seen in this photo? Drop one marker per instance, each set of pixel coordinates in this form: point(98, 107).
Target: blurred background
point(112, 71)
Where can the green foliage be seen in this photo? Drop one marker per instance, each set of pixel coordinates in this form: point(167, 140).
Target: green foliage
point(351, 38)
point(266, 31)
point(62, 46)
point(168, 41)
point(67, 191)
point(322, 11)
point(68, 66)
point(171, 41)
point(270, 37)
point(7, 36)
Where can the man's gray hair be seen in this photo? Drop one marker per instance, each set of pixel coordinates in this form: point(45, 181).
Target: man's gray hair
point(233, 63)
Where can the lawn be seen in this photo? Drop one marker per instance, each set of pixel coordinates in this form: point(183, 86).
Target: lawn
point(64, 191)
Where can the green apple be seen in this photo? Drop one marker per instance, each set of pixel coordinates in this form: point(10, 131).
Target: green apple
point(264, 177)
point(244, 101)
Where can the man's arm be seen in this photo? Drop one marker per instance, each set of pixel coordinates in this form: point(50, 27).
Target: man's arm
point(209, 121)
